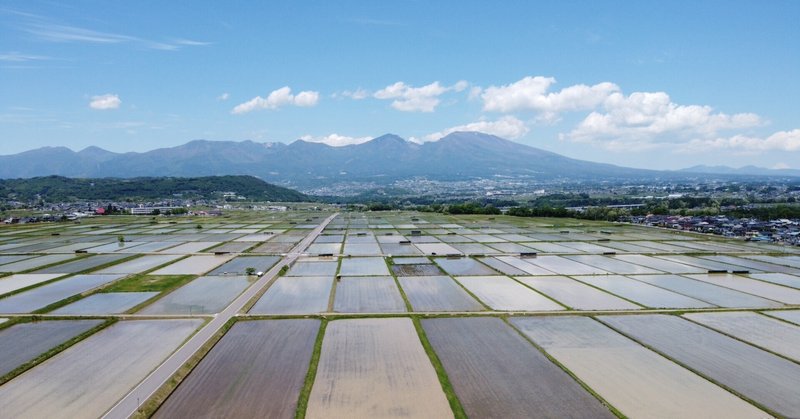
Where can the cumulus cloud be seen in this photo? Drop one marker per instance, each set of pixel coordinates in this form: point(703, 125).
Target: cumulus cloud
point(335, 140)
point(779, 141)
point(105, 102)
point(278, 98)
point(644, 119)
point(223, 97)
point(306, 99)
point(407, 98)
point(507, 127)
point(531, 93)
point(460, 85)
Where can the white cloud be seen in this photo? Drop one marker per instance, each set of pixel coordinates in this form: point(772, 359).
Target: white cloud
point(412, 99)
point(779, 141)
point(417, 99)
point(335, 140)
point(104, 102)
point(780, 166)
point(531, 93)
point(357, 94)
point(644, 120)
point(17, 57)
point(475, 93)
point(507, 127)
point(55, 32)
point(278, 98)
point(223, 97)
point(191, 42)
point(306, 99)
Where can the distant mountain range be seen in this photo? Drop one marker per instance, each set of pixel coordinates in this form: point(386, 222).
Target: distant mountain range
point(459, 155)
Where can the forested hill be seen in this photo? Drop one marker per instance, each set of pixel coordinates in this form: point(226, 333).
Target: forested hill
point(58, 188)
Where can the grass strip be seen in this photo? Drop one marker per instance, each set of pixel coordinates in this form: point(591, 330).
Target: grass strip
point(563, 367)
point(148, 283)
point(308, 384)
point(53, 351)
point(686, 366)
point(403, 295)
point(149, 407)
point(444, 380)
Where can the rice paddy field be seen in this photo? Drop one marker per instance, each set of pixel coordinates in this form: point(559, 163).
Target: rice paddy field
point(393, 315)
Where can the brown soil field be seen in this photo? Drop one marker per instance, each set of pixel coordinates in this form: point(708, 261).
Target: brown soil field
point(256, 370)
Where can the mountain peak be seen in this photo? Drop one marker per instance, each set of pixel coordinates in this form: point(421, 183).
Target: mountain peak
point(474, 136)
point(94, 150)
point(388, 139)
point(305, 144)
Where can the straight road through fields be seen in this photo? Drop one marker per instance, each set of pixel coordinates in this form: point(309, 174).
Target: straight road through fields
point(131, 402)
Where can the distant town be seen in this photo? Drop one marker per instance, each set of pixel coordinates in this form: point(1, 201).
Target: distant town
point(753, 210)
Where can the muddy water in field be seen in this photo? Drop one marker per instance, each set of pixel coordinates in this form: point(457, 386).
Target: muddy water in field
point(19, 281)
point(503, 293)
point(87, 379)
point(239, 265)
point(106, 303)
point(774, 335)
point(81, 264)
point(23, 342)
point(464, 266)
point(720, 296)
point(295, 295)
point(758, 375)
point(207, 294)
point(752, 286)
point(437, 293)
point(193, 265)
point(140, 264)
point(24, 265)
point(363, 267)
point(366, 294)
point(256, 370)
point(792, 316)
point(644, 294)
point(575, 294)
point(635, 380)
point(616, 266)
point(375, 368)
point(422, 269)
point(39, 297)
point(498, 374)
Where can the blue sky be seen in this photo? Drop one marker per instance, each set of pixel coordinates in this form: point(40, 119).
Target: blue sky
point(650, 84)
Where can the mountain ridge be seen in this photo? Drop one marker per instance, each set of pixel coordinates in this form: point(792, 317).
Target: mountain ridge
point(59, 188)
point(457, 156)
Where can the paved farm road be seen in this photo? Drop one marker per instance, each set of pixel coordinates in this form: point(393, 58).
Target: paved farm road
point(130, 403)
